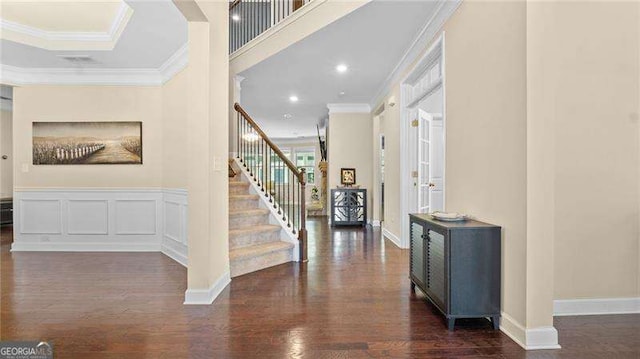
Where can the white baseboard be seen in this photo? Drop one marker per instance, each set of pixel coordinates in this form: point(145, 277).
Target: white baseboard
point(529, 339)
point(392, 237)
point(598, 306)
point(177, 255)
point(207, 296)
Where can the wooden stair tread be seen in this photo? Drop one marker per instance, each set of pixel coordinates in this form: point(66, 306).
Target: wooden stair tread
point(254, 229)
point(258, 250)
point(248, 212)
point(239, 183)
point(243, 196)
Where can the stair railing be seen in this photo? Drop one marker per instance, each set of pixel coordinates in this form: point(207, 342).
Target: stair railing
point(279, 180)
point(250, 18)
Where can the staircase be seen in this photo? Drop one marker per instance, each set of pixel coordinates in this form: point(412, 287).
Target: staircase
point(254, 243)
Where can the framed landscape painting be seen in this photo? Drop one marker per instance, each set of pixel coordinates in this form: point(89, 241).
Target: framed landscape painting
point(87, 143)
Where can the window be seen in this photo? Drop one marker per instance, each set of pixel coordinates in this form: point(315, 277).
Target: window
point(307, 159)
point(279, 170)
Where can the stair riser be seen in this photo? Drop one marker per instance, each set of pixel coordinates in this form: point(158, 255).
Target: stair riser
point(243, 204)
point(248, 221)
point(253, 238)
point(239, 189)
point(249, 265)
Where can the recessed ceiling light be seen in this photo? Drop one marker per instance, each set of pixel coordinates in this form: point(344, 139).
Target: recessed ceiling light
point(287, 116)
point(293, 98)
point(342, 93)
point(235, 17)
point(342, 68)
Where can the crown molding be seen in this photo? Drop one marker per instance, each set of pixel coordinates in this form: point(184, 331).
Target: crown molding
point(175, 63)
point(445, 9)
point(96, 76)
point(349, 108)
point(68, 40)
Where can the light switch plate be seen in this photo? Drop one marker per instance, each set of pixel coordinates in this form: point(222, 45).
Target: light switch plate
point(25, 167)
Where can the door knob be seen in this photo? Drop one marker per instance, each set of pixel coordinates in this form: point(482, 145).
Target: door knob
point(432, 184)
point(4, 157)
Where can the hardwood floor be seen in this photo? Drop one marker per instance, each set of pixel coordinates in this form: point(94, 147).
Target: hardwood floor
point(352, 300)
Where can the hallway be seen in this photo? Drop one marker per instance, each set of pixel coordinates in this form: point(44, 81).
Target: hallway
point(351, 301)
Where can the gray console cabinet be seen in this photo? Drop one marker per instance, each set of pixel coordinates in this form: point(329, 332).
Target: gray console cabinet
point(348, 207)
point(457, 266)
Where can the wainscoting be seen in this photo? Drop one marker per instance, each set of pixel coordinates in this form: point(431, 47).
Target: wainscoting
point(101, 220)
point(174, 218)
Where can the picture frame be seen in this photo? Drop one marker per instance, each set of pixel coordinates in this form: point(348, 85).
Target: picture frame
point(87, 143)
point(348, 176)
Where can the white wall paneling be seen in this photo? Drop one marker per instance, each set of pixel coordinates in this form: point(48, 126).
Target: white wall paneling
point(174, 219)
point(87, 216)
point(137, 216)
point(40, 215)
point(75, 219)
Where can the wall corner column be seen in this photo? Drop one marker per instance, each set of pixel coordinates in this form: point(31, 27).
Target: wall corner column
point(208, 126)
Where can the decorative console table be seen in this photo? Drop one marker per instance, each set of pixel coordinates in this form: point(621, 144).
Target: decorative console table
point(348, 206)
point(457, 265)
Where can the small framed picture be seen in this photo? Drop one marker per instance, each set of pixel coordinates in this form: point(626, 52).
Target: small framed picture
point(348, 176)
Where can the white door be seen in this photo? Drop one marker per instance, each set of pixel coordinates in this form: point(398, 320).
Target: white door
point(430, 181)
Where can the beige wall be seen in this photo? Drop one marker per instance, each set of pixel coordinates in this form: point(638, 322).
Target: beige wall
point(350, 147)
point(594, 83)
point(550, 153)
point(208, 146)
point(485, 134)
point(174, 119)
point(6, 148)
point(88, 103)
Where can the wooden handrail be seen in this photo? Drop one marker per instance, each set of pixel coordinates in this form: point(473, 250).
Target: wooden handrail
point(268, 171)
point(272, 145)
point(234, 4)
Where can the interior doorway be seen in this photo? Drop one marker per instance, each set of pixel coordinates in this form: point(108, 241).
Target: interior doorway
point(423, 136)
point(6, 156)
point(430, 162)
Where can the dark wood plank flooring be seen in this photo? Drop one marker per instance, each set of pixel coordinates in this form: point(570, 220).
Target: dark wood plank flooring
point(352, 300)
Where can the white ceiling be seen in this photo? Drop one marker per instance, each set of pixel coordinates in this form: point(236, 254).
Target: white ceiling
point(155, 31)
point(371, 41)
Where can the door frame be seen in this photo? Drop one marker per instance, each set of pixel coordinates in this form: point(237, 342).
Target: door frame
point(380, 184)
point(408, 149)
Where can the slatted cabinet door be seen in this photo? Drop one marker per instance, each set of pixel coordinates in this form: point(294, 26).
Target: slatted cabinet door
point(436, 269)
point(418, 258)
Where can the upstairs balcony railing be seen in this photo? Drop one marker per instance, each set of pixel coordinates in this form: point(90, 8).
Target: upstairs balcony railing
point(250, 18)
point(278, 179)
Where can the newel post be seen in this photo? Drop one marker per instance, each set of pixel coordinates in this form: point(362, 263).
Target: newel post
point(302, 233)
